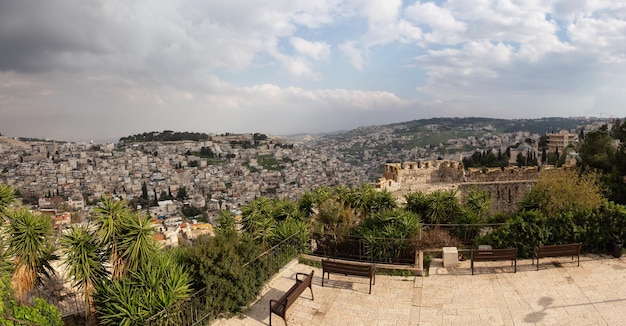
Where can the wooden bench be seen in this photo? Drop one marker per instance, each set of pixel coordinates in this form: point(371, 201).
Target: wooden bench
point(346, 268)
point(280, 306)
point(570, 249)
point(495, 255)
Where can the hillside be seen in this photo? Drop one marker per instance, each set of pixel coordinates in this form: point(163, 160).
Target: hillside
point(439, 138)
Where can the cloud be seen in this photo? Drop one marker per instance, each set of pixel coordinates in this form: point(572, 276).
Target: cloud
point(355, 55)
point(76, 68)
point(313, 50)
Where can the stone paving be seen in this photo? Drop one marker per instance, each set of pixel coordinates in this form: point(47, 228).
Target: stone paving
point(560, 293)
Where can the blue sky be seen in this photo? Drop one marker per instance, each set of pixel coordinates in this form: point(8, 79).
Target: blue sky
point(80, 70)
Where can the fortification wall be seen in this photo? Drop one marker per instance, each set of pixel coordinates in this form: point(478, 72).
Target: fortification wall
point(505, 195)
point(506, 187)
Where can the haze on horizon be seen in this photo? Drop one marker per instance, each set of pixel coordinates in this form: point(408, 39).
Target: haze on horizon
point(80, 70)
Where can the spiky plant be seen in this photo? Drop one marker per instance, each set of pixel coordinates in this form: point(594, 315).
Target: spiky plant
point(29, 246)
point(107, 217)
point(7, 197)
point(136, 240)
point(84, 261)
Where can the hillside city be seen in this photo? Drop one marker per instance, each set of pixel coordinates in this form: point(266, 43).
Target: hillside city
point(201, 196)
point(225, 171)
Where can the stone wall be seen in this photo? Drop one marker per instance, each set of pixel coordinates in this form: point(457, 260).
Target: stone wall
point(506, 187)
point(505, 195)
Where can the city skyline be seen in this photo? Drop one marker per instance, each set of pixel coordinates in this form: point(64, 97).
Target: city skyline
point(73, 70)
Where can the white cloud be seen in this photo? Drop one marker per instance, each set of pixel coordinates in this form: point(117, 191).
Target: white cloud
point(248, 64)
point(355, 55)
point(314, 50)
point(445, 29)
point(605, 37)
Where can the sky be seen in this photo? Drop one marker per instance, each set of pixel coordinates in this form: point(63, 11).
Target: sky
point(82, 70)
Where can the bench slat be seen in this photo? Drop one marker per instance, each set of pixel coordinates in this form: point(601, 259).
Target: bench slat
point(494, 255)
point(569, 249)
point(338, 267)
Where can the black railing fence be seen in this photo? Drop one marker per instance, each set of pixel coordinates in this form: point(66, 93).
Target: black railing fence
point(189, 312)
point(399, 251)
point(365, 249)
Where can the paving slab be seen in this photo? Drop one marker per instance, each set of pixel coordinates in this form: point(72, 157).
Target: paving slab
point(560, 293)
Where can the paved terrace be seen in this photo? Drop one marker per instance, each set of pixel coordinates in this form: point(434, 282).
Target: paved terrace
point(560, 293)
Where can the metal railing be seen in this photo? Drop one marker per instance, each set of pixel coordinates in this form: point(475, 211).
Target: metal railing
point(189, 312)
point(365, 249)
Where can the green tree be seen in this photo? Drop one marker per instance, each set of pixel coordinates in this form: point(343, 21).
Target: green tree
point(29, 246)
point(84, 262)
point(416, 202)
point(182, 194)
point(144, 191)
point(217, 263)
point(136, 240)
point(597, 151)
point(226, 223)
point(561, 191)
point(108, 219)
point(163, 196)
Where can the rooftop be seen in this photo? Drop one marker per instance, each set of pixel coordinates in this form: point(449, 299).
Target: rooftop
point(560, 293)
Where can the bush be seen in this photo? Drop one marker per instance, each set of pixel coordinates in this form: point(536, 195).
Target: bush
point(217, 263)
point(39, 313)
point(158, 284)
point(516, 233)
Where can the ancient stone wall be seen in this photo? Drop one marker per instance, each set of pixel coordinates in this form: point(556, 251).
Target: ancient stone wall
point(505, 195)
point(506, 187)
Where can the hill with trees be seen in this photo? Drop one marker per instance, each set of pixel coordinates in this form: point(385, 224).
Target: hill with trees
point(166, 135)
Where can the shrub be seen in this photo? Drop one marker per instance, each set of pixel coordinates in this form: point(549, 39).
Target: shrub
point(217, 264)
point(516, 233)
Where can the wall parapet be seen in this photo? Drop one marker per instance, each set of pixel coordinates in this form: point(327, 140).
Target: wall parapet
point(506, 186)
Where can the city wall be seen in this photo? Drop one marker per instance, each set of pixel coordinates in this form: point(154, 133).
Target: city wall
point(506, 187)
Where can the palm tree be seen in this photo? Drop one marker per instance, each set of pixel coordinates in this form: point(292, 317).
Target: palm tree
point(84, 261)
point(30, 247)
point(107, 218)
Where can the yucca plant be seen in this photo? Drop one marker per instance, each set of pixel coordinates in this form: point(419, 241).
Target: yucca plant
point(7, 197)
point(136, 242)
point(161, 283)
point(107, 218)
point(84, 261)
point(29, 246)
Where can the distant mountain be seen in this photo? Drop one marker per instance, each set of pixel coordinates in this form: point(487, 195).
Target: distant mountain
point(448, 128)
point(441, 138)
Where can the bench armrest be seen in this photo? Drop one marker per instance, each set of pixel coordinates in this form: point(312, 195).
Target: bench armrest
point(301, 274)
point(272, 301)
